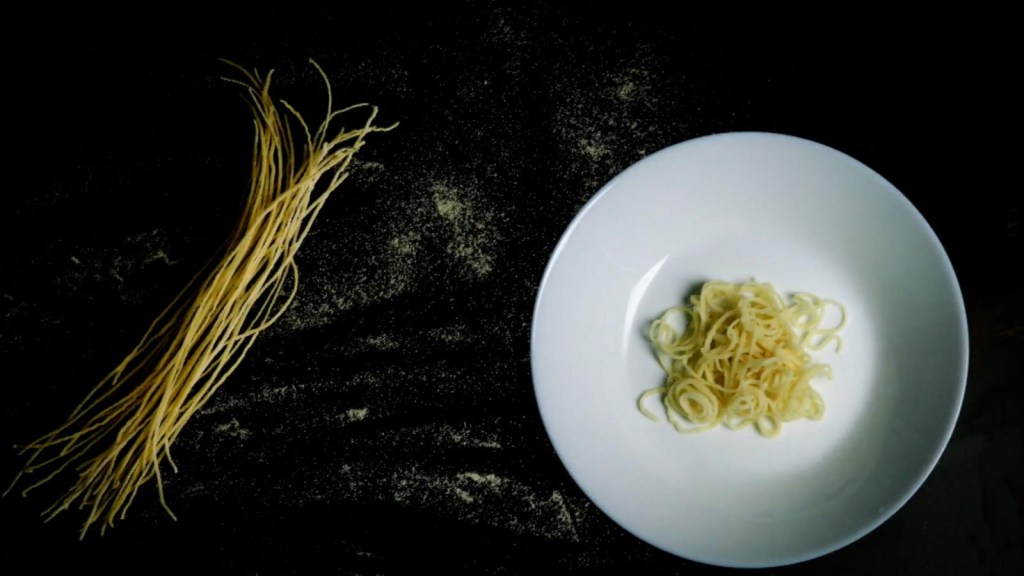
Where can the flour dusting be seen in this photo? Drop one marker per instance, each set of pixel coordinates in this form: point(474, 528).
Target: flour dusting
point(232, 428)
point(470, 231)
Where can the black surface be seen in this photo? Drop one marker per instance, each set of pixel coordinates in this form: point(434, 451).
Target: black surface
point(388, 423)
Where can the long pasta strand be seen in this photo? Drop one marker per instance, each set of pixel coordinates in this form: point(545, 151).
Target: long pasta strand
point(117, 438)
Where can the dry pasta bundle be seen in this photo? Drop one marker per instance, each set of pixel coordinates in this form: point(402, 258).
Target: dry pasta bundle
point(117, 438)
point(741, 359)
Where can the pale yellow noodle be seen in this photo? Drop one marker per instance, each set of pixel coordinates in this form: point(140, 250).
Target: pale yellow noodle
point(117, 438)
point(741, 358)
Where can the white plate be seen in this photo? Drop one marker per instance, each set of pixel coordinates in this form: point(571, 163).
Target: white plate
point(803, 217)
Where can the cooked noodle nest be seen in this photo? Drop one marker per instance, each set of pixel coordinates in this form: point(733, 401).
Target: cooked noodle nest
point(738, 355)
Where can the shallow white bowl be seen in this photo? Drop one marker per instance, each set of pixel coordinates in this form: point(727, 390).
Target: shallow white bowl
point(803, 217)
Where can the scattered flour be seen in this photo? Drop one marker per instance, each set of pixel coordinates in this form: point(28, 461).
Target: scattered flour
point(488, 499)
point(233, 428)
point(353, 415)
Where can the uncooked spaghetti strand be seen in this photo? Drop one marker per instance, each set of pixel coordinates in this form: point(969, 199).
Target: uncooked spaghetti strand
point(198, 341)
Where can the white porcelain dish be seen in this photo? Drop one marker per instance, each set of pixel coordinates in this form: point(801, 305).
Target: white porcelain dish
point(803, 217)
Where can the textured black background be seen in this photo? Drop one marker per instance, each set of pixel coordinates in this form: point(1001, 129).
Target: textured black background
point(388, 424)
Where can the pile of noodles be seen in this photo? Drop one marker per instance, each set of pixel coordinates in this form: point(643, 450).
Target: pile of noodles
point(741, 358)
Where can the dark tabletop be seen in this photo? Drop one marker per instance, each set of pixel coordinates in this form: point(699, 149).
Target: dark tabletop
point(387, 423)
